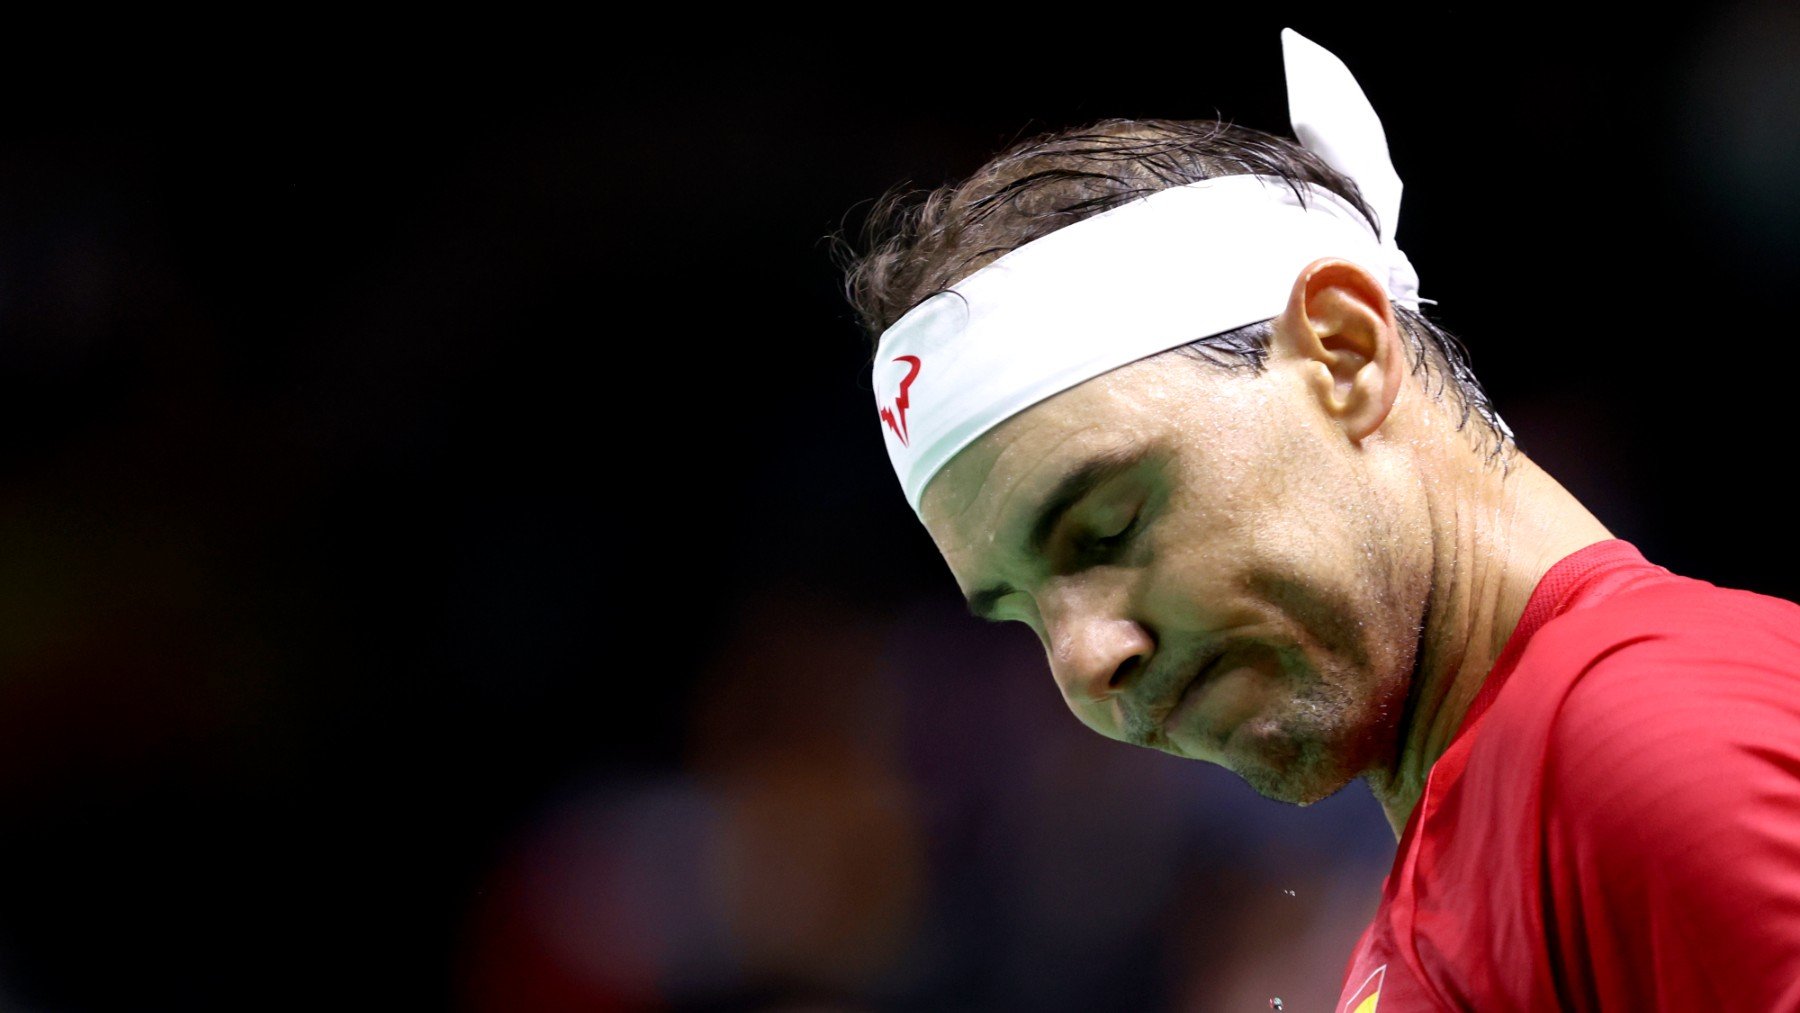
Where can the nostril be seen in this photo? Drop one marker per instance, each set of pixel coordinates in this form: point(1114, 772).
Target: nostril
point(1124, 671)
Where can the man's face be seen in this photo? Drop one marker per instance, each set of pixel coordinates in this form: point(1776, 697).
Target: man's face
point(1214, 568)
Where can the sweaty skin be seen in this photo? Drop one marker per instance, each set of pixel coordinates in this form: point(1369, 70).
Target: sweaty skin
point(1303, 575)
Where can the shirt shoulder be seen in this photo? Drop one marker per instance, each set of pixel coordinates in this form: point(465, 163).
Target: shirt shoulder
point(1671, 793)
point(1662, 691)
point(1669, 667)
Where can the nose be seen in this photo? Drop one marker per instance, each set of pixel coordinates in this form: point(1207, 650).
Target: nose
point(1094, 652)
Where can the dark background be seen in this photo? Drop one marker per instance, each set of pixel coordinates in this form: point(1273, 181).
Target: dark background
point(449, 562)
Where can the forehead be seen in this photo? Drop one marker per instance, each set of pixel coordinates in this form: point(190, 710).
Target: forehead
point(1001, 476)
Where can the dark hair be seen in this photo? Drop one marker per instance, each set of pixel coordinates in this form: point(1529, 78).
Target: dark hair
point(916, 244)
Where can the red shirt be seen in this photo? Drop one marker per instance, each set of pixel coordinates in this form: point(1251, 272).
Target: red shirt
point(1616, 825)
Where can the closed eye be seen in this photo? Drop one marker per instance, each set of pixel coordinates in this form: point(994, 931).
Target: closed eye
point(1105, 545)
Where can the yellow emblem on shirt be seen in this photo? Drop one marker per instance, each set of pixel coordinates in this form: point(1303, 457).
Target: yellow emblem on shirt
point(1368, 994)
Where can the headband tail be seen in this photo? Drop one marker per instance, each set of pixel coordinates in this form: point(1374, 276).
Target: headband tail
point(1334, 120)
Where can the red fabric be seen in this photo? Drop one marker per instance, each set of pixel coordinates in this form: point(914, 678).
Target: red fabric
point(1616, 825)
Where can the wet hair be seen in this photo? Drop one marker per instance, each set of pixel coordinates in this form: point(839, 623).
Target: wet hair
point(918, 243)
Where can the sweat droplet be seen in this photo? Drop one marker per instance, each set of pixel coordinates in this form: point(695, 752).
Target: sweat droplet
point(1290, 893)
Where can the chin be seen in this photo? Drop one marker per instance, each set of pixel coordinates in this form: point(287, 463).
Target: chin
point(1295, 770)
point(1282, 786)
point(1323, 739)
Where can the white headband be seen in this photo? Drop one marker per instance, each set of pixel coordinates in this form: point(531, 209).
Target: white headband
point(1182, 264)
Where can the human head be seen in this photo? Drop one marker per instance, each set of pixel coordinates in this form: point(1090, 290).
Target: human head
point(1254, 517)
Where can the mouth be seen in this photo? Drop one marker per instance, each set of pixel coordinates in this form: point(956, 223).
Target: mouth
point(1185, 698)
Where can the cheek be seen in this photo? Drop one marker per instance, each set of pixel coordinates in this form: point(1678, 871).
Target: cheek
point(1220, 523)
point(1264, 499)
point(1312, 522)
point(1197, 578)
point(1284, 556)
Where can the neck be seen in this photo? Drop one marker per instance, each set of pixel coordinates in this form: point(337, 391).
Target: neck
point(1494, 536)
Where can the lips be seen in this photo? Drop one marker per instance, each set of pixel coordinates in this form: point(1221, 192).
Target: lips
point(1190, 694)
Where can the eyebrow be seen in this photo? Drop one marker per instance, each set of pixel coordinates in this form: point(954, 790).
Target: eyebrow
point(1085, 478)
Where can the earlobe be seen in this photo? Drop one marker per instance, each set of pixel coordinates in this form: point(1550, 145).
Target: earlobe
point(1339, 326)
